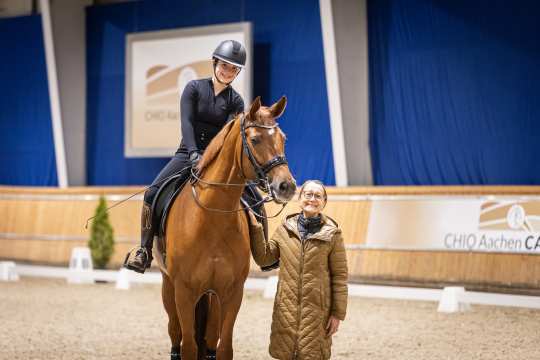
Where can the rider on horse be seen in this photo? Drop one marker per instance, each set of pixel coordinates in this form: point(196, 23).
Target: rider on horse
point(206, 106)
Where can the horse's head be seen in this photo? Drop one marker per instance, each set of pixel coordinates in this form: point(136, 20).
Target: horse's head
point(264, 148)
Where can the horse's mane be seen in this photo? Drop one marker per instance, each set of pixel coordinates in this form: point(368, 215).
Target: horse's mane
point(215, 145)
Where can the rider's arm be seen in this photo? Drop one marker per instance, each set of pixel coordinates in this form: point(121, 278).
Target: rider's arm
point(188, 102)
point(264, 253)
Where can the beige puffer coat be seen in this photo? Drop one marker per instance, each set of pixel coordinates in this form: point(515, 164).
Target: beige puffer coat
point(312, 286)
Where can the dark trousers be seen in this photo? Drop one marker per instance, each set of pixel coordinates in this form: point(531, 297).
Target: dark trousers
point(174, 166)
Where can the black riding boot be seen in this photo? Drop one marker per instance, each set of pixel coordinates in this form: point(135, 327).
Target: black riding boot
point(143, 256)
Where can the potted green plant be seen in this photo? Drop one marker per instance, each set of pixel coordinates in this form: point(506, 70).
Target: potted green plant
point(101, 241)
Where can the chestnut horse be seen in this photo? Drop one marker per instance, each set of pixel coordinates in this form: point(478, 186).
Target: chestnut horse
point(207, 232)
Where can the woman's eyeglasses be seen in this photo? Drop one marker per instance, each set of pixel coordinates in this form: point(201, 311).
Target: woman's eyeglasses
point(310, 195)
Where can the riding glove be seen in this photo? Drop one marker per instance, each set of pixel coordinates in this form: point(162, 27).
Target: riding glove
point(194, 158)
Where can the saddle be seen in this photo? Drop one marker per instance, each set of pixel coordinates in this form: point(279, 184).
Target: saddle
point(169, 190)
point(165, 196)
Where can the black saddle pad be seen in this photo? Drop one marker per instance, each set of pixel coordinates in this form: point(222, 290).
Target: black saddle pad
point(165, 196)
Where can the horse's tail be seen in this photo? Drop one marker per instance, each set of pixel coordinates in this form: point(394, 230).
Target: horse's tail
point(201, 319)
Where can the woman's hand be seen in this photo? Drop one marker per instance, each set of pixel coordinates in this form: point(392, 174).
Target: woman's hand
point(332, 326)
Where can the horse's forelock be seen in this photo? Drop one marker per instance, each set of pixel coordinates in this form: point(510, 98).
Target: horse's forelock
point(264, 116)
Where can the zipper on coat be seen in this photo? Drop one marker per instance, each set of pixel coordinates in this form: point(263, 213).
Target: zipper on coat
point(301, 282)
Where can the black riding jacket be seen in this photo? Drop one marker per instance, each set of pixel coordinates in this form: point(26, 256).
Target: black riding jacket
point(203, 114)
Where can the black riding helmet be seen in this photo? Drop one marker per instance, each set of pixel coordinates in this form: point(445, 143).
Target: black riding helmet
point(231, 52)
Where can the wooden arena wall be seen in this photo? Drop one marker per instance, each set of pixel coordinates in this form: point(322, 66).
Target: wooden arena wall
point(42, 225)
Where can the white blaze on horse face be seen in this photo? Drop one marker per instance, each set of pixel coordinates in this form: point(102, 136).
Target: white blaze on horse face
point(271, 131)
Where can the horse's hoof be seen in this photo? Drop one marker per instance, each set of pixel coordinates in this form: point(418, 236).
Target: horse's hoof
point(210, 354)
point(175, 353)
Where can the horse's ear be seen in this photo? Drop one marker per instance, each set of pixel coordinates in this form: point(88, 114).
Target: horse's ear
point(278, 108)
point(255, 106)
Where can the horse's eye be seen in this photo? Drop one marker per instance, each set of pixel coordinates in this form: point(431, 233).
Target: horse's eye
point(255, 140)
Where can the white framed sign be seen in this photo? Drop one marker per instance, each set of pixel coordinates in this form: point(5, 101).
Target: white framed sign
point(503, 224)
point(159, 64)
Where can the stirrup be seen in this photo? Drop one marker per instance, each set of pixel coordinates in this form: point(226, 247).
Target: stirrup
point(131, 263)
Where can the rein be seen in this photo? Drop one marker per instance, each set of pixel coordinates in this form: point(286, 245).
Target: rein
point(242, 208)
point(260, 170)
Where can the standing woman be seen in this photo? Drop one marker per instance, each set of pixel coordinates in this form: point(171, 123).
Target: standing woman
point(206, 105)
point(311, 297)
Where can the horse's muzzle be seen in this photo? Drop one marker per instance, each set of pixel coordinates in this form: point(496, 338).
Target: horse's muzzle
point(283, 189)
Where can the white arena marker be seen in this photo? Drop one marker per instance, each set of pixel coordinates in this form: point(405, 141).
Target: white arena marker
point(271, 287)
point(453, 300)
point(8, 271)
point(122, 281)
point(80, 267)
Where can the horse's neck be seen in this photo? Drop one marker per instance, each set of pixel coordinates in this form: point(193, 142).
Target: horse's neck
point(225, 170)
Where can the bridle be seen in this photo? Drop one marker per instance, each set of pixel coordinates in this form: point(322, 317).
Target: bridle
point(261, 171)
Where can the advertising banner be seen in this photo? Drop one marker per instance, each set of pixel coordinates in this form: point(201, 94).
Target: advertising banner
point(158, 66)
point(511, 226)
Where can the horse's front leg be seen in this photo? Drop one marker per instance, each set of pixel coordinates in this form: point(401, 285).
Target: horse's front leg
point(229, 311)
point(175, 332)
point(212, 326)
point(185, 307)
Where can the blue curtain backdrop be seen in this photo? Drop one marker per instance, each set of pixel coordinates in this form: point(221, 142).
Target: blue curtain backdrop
point(288, 60)
point(455, 91)
point(26, 146)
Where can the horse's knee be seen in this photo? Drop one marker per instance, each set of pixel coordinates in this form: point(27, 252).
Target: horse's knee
point(175, 333)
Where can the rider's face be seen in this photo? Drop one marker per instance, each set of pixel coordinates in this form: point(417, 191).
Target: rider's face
point(226, 72)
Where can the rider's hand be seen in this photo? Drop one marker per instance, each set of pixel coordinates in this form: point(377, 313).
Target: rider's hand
point(194, 158)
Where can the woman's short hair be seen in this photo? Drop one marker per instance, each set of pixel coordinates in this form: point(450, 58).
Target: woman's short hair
point(315, 182)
